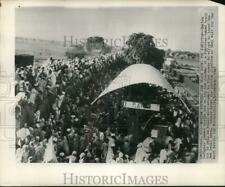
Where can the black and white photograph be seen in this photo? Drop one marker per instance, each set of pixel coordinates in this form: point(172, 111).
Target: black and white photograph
point(112, 93)
point(107, 85)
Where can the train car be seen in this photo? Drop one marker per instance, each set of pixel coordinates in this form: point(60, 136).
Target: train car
point(24, 60)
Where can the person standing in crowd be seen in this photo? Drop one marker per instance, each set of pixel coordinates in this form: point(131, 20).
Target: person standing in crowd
point(56, 123)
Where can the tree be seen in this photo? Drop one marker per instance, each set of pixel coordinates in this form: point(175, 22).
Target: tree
point(76, 51)
point(142, 49)
point(106, 49)
point(95, 42)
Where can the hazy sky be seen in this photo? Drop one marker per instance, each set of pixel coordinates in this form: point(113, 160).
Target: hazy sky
point(180, 26)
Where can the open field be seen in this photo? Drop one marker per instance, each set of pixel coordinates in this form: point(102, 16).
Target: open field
point(41, 49)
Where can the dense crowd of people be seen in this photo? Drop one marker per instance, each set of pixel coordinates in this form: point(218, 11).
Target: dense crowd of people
point(55, 121)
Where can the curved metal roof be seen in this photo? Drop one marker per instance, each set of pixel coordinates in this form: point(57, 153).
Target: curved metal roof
point(136, 74)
